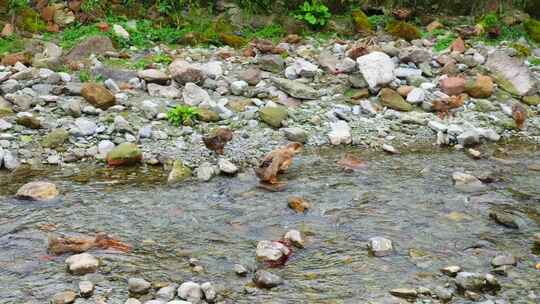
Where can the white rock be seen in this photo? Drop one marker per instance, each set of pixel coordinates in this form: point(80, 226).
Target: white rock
point(210, 293)
point(4, 125)
point(111, 85)
point(138, 285)
point(340, 133)
point(437, 126)
point(227, 166)
point(105, 146)
point(167, 293)
point(10, 161)
point(514, 70)
point(290, 73)
point(212, 69)
point(157, 90)
point(80, 264)
point(417, 95)
point(347, 65)
point(390, 149)
point(239, 87)
point(85, 126)
point(119, 31)
point(190, 290)
point(305, 68)
point(86, 288)
point(377, 68)
point(380, 246)
point(271, 251)
point(428, 86)
point(407, 72)
point(194, 95)
point(295, 237)
point(132, 301)
point(205, 172)
point(65, 77)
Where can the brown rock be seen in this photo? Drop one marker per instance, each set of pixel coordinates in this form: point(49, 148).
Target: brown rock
point(75, 5)
point(298, 204)
point(103, 26)
point(357, 51)
point(98, 95)
point(39, 191)
point(481, 87)
point(53, 28)
point(11, 59)
point(97, 45)
point(48, 13)
point(252, 76)
point(405, 90)
point(453, 85)
point(183, 72)
point(434, 25)
point(458, 46)
point(7, 30)
point(450, 69)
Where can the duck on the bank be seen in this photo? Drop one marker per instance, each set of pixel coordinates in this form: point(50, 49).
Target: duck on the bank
point(78, 244)
point(519, 114)
point(277, 161)
point(443, 107)
point(217, 141)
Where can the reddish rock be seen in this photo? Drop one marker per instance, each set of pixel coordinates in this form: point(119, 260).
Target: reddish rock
point(450, 69)
point(75, 5)
point(11, 59)
point(481, 87)
point(453, 85)
point(103, 26)
point(357, 51)
point(98, 96)
point(458, 46)
point(249, 52)
point(7, 30)
point(48, 13)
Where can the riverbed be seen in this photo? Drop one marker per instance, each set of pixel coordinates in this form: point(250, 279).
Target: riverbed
point(408, 198)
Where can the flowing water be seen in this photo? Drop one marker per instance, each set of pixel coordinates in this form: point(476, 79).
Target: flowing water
point(408, 198)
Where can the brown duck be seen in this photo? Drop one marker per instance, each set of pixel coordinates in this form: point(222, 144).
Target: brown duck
point(217, 141)
point(277, 161)
point(77, 244)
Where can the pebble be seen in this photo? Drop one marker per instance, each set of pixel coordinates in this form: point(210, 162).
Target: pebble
point(227, 167)
point(86, 289)
point(451, 271)
point(266, 279)
point(167, 293)
point(80, 264)
point(380, 246)
point(504, 260)
point(295, 237)
point(240, 270)
point(138, 286)
point(407, 293)
point(210, 293)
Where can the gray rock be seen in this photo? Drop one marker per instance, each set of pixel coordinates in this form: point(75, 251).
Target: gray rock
point(514, 71)
point(265, 279)
point(212, 69)
point(80, 264)
point(377, 69)
point(347, 65)
point(340, 133)
point(121, 124)
point(210, 293)
point(305, 68)
point(407, 72)
point(296, 89)
point(296, 134)
point(271, 63)
point(239, 87)
point(85, 126)
point(415, 55)
point(132, 301)
point(240, 270)
point(416, 96)
point(86, 289)
point(10, 161)
point(194, 95)
point(190, 291)
point(502, 218)
point(205, 172)
point(226, 166)
point(153, 76)
point(183, 72)
point(443, 293)
point(145, 131)
point(469, 138)
point(4, 125)
point(471, 281)
point(138, 286)
point(156, 90)
point(252, 76)
point(407, 293)
point(467, 183)
point(504, 260)
point(380, 246)
point(167, 293)
point(111, 85)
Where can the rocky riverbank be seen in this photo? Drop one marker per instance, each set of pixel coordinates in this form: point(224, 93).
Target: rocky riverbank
point(378, 93)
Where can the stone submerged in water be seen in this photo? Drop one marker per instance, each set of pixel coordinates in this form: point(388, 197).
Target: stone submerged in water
point(80, 264)
point(55, 138)
point(407, 293)
point(380, 246)
point(138, 286)
point(298, 204)
point(66, 297)
point(98, 96)
point(179, 172)
point(38, 191)
point(467, 183)
point(504, 218)
point(265, 279)
point(271, 251)
point(476, 282)
point(124, 154)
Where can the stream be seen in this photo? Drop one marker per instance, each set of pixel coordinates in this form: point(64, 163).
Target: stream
point(408, 198)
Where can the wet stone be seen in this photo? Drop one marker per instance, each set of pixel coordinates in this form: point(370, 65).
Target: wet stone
point(190, 291)
point(295, 237)
point(380, 246)
point(240, 270)
point(451, 271)
point(471, 281)
point(138, 286)
point(86, 289)
point(81, 264)
point(407, 293)
point(504, 260)
point(265, 279)
point(504, 219)
point(65, 297)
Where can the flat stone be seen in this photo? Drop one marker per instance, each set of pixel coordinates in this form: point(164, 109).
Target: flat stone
point(80, 264)
point(270, 251)
point(504, 260)
point(451, 271)
point(296, 89)
point(407, 293)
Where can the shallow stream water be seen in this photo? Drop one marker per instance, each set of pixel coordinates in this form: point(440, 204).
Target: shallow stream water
point(408, 198)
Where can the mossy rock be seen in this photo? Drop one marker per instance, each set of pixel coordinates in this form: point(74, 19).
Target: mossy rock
point(507, 124)
point(232, 40)
point(361, 22)
point(404, 30)
point(4, 112)
point(532, 27)
point(124, 154)
point(505, 84)
point(393, 100)
point(208, 115)
point(531, 100)
point(484, 106)
point(179, 172)
point(55, 138)
point(273, 116)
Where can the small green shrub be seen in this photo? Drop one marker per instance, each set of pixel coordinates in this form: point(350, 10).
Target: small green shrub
point(273, 31)
point(11, 44)
point(522, 50)
point(444, 42)
point(85, 76)
point(379, 21)
point(182, 115)
point(402, 29)
point(315, 14)
point(532, 27)
point(535, 61)
point(361, 22)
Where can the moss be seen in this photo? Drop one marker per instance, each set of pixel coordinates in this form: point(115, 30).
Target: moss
point(402, 29)
point(532, 27)
point(361, 22)
point(522, 50)
point(232, 40)
point(31, 21)
point(505, 84)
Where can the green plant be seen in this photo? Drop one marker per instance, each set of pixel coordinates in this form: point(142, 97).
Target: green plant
point(11, 44)
point(85, 76)
point(444, 42)
point(273, 31)
point(522, 50)
point(316, 14)
point(182, 115)
point(535, 61)
point(379, 21)
point(89, 6)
